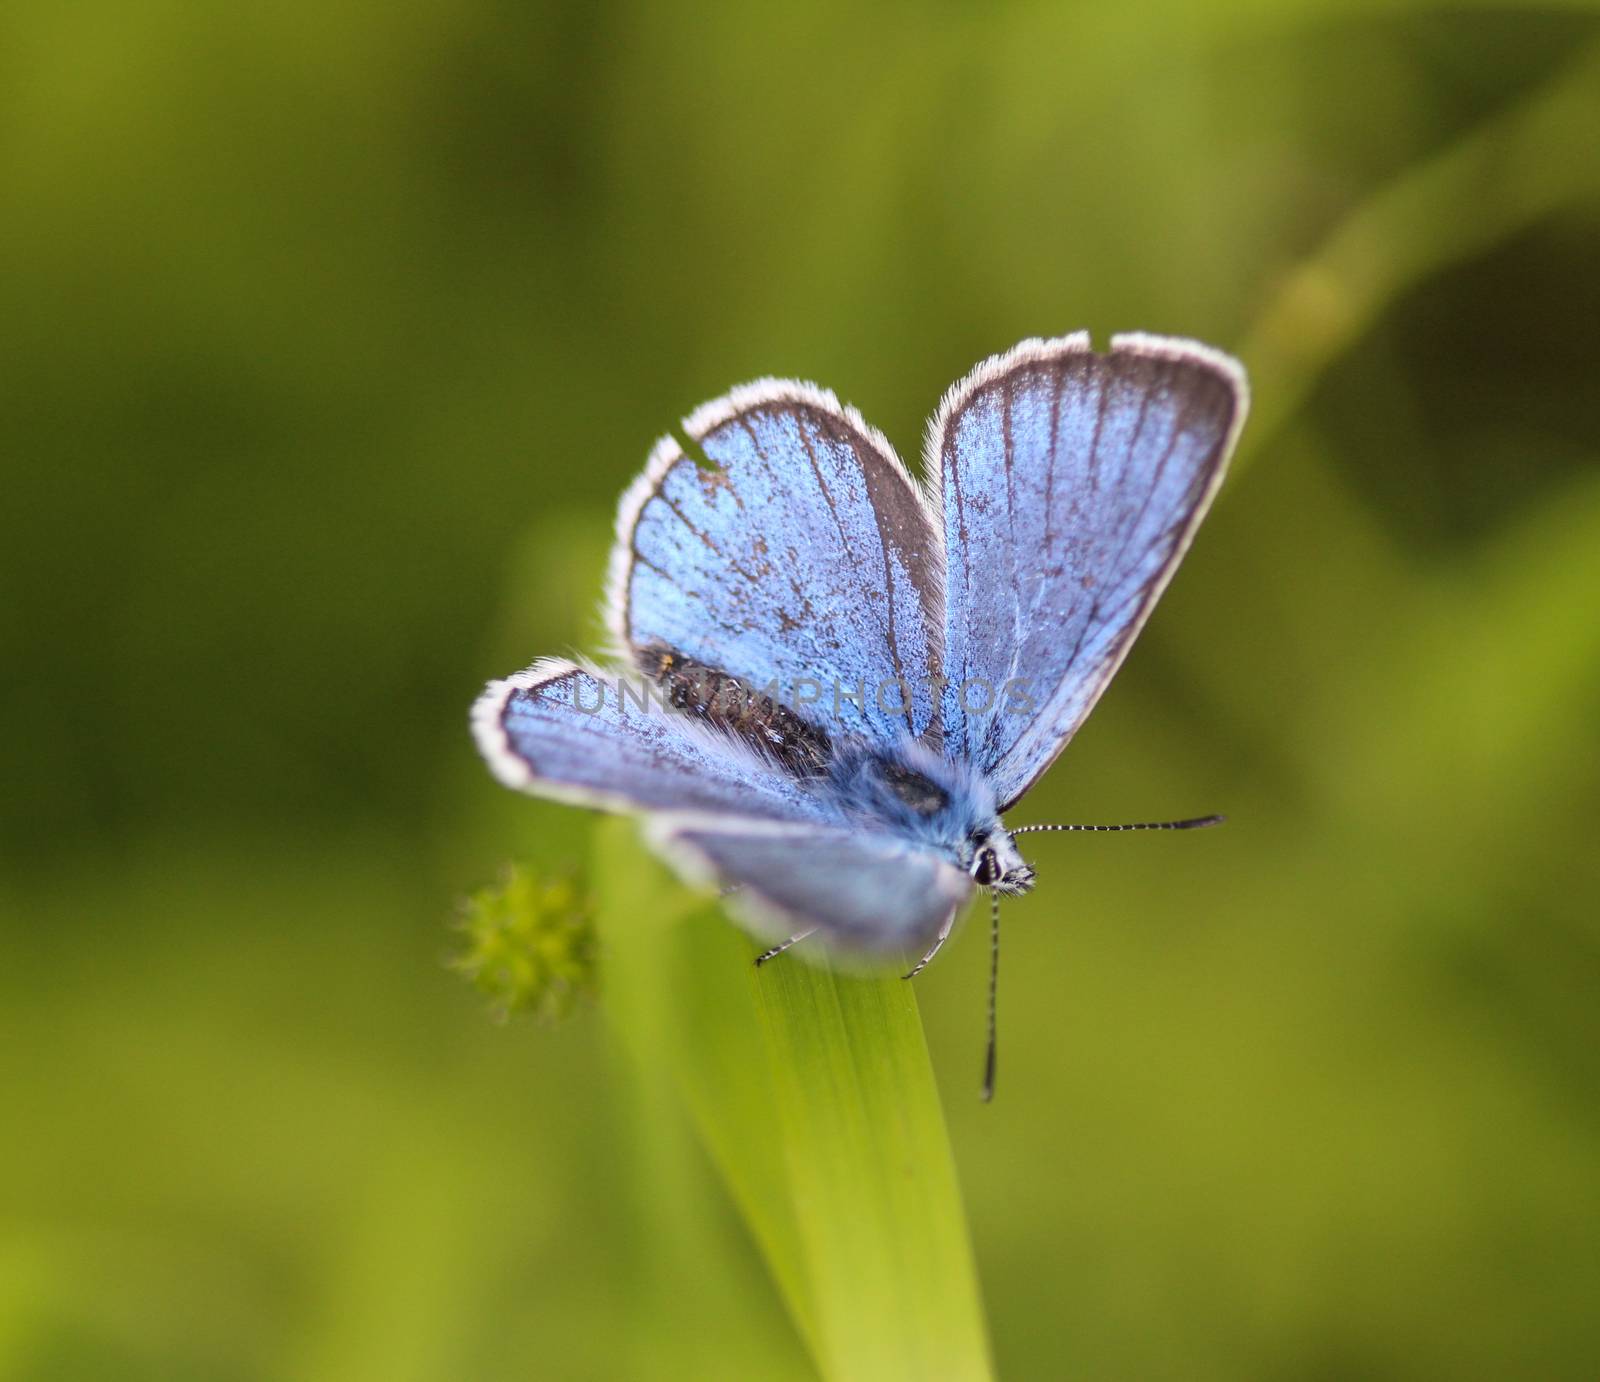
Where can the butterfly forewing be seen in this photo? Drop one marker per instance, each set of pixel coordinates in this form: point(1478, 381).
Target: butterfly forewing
point(803, 557)
point(1070, 485)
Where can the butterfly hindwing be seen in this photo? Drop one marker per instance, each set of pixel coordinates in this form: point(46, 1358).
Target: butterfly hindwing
point(579, 735)
point(804, 556)
point(1070, 485)
point(863, 889)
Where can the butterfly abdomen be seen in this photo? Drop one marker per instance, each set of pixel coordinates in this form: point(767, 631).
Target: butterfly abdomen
point(755, 716)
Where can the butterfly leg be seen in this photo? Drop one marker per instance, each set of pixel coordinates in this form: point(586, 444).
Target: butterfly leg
point(777, 950)
point(938, 942)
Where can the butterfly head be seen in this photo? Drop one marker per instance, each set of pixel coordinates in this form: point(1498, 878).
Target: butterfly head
point(997, 863)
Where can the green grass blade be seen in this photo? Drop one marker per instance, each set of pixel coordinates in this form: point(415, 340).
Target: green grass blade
point(813, 1094)
point(871, 1174)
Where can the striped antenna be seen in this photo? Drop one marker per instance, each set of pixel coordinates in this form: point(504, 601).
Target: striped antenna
point(1197, 823)
point(994, 977)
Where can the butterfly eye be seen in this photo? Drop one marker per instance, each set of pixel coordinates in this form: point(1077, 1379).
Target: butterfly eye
point(986, 870)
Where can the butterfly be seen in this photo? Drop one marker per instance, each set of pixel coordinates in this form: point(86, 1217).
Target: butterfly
point(830, 682)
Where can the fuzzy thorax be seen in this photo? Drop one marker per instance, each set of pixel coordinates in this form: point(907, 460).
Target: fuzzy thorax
point(937, 802)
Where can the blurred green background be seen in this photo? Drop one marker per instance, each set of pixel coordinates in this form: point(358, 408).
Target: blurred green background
point(328, 337)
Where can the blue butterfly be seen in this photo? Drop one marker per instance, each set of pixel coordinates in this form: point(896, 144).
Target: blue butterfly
point(832, 682)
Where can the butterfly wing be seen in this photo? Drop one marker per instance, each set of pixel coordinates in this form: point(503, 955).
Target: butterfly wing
point(1071, 483)
point(805, 555)
point(574, 734)
point(865, 890)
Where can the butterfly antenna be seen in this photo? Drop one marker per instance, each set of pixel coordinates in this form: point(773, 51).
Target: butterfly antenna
point(1196, 823)
point(994, 978)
